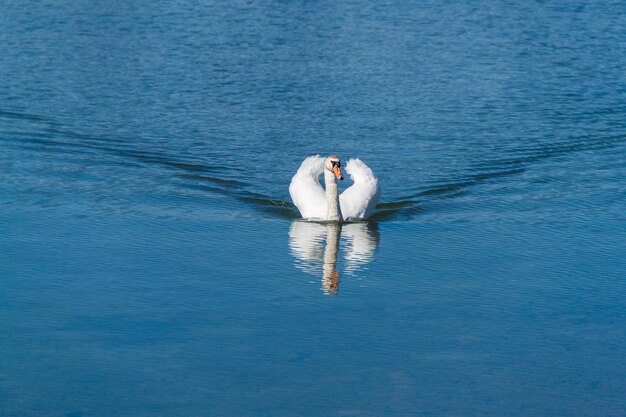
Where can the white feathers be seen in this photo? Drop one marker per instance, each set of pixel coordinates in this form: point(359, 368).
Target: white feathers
point(306, 192)
point(356, 203)
point(359, 201)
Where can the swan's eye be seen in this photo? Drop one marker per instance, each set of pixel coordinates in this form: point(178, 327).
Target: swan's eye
point(333, 163)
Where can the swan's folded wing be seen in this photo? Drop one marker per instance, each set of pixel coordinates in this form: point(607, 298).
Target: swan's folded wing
point(306, 192)
point(359, 200)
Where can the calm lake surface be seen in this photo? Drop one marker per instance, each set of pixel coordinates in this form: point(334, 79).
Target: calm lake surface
point(153, 265)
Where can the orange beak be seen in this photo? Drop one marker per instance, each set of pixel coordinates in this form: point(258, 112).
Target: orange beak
point(337, 172)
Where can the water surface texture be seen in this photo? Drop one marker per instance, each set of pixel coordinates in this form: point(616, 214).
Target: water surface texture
point(153, 265)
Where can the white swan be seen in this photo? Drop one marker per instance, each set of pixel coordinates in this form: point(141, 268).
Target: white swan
point(355, 203)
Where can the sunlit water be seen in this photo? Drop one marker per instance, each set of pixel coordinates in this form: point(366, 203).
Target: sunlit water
point(154, 265)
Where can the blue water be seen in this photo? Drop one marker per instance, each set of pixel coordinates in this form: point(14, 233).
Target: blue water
point(152, 263)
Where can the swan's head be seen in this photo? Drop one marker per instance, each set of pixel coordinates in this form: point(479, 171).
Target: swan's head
point(333, 164)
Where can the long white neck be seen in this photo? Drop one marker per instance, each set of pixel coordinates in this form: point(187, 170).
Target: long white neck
point(333, 211)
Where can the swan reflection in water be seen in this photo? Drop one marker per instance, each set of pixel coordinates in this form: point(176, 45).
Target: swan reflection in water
point(315, 247)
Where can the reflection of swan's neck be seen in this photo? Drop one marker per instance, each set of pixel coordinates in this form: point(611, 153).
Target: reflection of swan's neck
point(333, 212)
point(330, 277)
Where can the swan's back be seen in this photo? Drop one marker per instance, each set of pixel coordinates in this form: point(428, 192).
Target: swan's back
point(306, 192)
point(359, 200)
